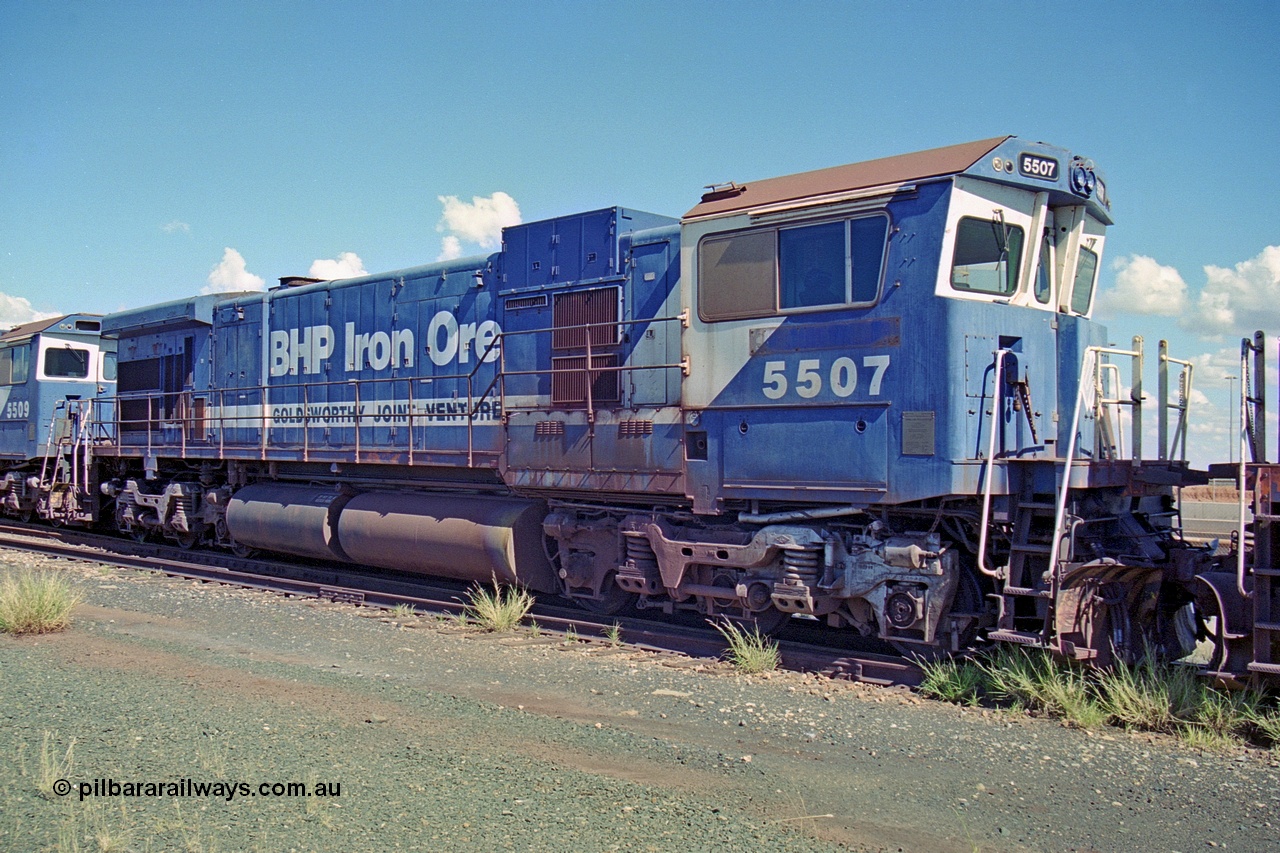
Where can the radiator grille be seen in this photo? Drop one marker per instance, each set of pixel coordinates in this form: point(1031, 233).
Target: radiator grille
point(575, 314)
point(569, 380)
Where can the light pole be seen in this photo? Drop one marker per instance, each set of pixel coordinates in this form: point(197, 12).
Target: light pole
point(1231, 419)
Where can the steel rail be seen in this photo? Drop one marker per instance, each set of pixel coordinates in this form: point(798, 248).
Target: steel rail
point(349, 585)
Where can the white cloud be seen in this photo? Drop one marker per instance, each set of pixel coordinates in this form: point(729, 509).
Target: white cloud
point(1240, 299)
point(1144, 286)
point(1213, 368)
point(16, 310)
point(480, 222)
point(450, 248)
point(230, 275)
point(346, 265)
point(176, 227)
point(1198, 399)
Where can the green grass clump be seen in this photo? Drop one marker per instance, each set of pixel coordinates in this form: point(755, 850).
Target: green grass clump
point(1175, 700)
point(613, 634)
point(1167, 698)
point(499, 610)
point(1148, 697)
point(36, 602)
point(1035, 680)
point(749, 651)
point(403, 612)
point(1266, 725)
point(961, 682)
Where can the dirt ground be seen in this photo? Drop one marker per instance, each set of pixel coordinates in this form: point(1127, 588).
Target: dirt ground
point(444, 739)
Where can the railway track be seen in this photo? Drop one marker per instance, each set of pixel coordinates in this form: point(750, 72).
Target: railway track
point(430, 595)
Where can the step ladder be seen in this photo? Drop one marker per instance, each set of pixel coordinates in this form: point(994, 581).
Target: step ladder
point(1027, 595)
point(1258, 579)
point(1266, 576)
point(65, 479)
point(1031, 580)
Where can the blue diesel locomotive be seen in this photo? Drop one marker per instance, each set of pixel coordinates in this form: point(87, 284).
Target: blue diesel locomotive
point(870, 395)
point(51, 372)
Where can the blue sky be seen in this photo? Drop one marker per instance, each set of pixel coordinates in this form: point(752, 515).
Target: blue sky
point(149, 151)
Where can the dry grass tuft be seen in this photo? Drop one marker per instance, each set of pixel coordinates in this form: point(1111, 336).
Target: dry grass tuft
point(499, 610)
point(36, 602)
point(749, 651)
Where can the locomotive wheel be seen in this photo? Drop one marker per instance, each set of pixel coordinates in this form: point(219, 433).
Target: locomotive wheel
point(187, 541)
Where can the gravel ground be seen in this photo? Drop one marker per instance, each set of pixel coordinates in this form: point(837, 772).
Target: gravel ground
point(443, 739)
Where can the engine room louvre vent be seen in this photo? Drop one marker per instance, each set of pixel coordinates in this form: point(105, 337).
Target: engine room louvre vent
point(569, 380)
point(634, 429)
point(516, 303)
point(581, 312)
point(548, 428)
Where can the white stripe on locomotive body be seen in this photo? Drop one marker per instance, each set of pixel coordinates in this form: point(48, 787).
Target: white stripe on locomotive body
point(425, 412)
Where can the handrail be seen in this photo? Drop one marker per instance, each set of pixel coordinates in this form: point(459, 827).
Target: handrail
point(1182, 406)
point(48, 442)
point(990, 472)
point(366, 388)
point(1060, 514)
point(1246, 348)
point(1101, 402)
point(1110, 441)
point(1253, 389)
point(1090, 365)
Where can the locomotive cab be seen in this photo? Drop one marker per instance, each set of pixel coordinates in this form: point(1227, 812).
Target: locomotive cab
point(51, 371)
point(856, 429)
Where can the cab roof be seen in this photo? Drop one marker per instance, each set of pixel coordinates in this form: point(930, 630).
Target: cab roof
point(79, 323)
point(885, 172)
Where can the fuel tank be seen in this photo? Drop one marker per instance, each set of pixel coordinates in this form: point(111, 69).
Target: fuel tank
point(467, 537)
point(299, 520)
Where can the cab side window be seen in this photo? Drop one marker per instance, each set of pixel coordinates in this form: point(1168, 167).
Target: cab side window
point(811, 266)
point(987, 256)
point(1086, 272)
point(14, 365)
point(66, 363)
point(833, 264)
point(1044, 272)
